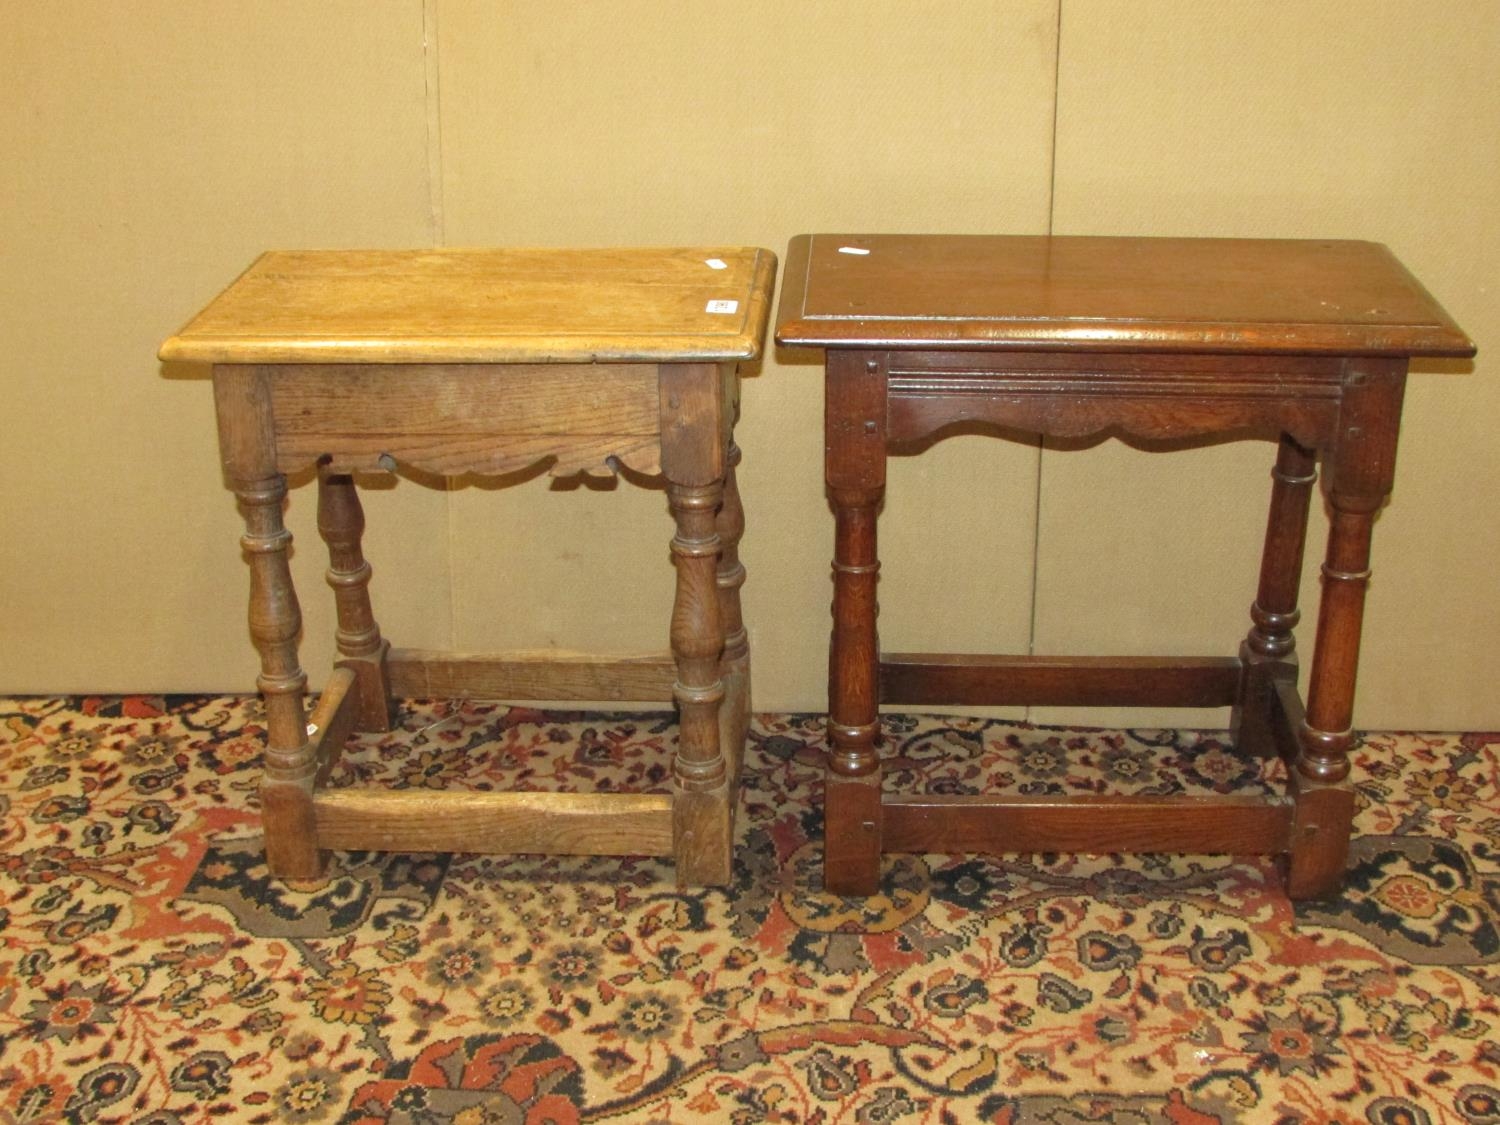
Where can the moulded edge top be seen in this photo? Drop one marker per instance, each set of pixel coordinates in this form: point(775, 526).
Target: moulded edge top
point(1057, 330)
point(230, 331)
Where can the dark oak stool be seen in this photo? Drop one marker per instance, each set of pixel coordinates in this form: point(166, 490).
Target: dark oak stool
point(1303, 342)
point(489, 361)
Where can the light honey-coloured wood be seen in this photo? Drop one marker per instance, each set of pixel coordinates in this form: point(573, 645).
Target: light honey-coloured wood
point(734, 715)
point(469, 418)
point(486, 306)
point(549, 674)
point(458, 454)
point(361, 648)
point(486, 362)
point(406, 820)
point(512, 399)
point(694, 462)
point(333, 720)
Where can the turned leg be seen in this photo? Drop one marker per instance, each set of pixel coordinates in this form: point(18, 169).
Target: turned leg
point(734, 716)
point(286, 788)
point(247, 445)
point(702, 812)
point(1360, 474)
point(852, 797)
point(855, 430)
point(1268, 652)
point(341, 522)
point(694, 443)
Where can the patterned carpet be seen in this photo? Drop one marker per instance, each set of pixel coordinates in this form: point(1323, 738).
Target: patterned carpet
point(151, 972)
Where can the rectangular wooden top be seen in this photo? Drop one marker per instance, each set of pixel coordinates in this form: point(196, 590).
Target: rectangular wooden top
point(487, 306)
point(1108, 294)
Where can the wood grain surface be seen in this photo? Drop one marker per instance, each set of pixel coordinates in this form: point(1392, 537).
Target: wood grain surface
point(1228, 825)
point(486, 306)
point(407, 820)
point(1304, 341)
point(1108, 294)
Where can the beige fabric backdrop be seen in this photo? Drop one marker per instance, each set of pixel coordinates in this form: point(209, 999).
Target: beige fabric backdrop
point(153, 149)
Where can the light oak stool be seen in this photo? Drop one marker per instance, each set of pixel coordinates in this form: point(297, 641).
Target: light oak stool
point(1305, 343)
point(489, 361)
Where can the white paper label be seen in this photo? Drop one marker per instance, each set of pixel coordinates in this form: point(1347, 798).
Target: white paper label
point(722, 307)
point(716, 263)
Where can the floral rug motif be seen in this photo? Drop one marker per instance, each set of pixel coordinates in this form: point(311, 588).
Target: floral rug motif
point(152, 972)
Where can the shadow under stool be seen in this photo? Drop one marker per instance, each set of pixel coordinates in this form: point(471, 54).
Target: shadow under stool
point(1302, 342)
point(487, 362)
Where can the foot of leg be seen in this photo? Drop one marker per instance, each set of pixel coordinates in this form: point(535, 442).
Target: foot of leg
point(852, 813)
point(1320, 839)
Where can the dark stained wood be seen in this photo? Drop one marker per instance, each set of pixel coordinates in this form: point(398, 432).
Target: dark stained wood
point(1092, 681)
point(1147, 396)
point(1318, 851)
point(1274, 614)
point(1286, 719)
point(1201, 825)
point(1200, 295)
point(1268, 653)
point(855, 449)
point(1306, 343)
point(1361, 470)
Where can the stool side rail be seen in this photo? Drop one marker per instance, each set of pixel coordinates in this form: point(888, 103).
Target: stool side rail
point(1217, 825)
point(548, 674)
point(1091, 681)
point(405, 820)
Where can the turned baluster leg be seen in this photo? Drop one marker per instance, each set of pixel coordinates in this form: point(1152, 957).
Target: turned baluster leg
point(242, 399)
point(701, 809)
point(341, 522)
point(734, 716)
point(1361, 468)
point(693, 449)
point(854, 421)
point(275, 623)
point(1268, 652)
